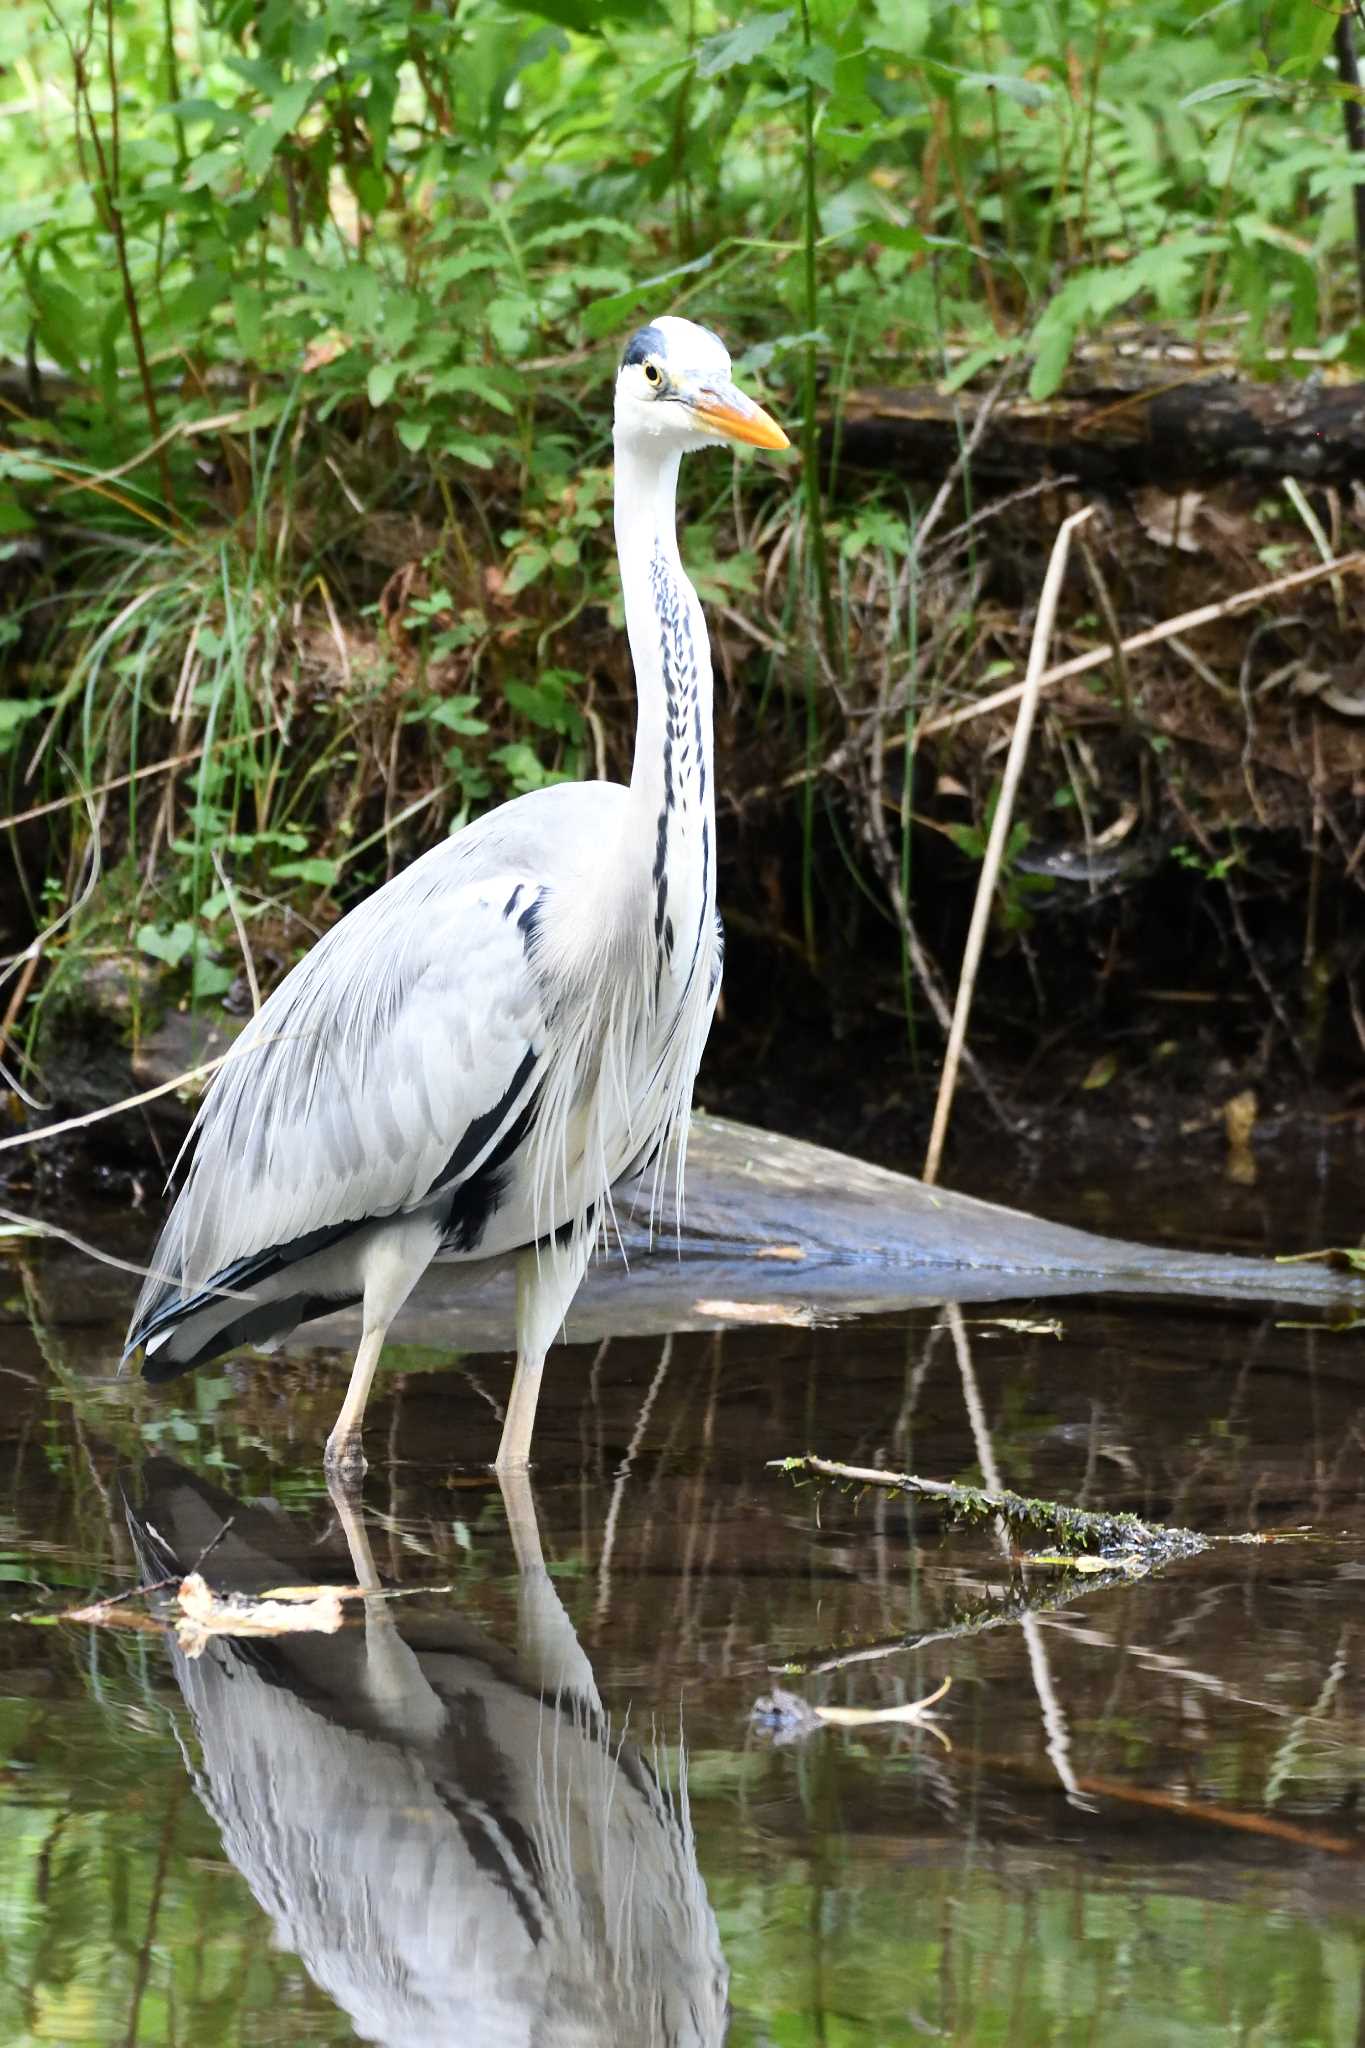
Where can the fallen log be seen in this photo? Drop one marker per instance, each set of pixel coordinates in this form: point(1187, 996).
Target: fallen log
point(1184, 430)
point(782, 1232)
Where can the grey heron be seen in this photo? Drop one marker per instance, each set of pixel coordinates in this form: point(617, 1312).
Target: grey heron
point(469, 1061)
point(444, 1826)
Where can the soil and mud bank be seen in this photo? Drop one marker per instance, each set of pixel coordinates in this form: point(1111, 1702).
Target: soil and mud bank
point(1178, 925)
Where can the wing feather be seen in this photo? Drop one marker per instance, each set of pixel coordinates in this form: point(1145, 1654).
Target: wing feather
point(384, 1068)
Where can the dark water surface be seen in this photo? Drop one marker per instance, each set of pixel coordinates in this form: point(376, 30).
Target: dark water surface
point(462, 1819)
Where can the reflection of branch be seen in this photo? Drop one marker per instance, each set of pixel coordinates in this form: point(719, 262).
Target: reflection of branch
point(1001, 1613)
point(1284, 1763)
point(147, 1947)
point(1165, 1665)
point(622, 1474)
point(1055, 1729)
point(1120, 1534)
point(1178, 1807)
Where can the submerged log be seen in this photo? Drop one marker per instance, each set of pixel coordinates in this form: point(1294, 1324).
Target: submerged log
point(776, 1231)
point(1183, 430)
point(779, 1231)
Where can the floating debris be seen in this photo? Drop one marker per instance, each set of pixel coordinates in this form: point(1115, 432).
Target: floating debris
point(794, 1314)
point(789, 1718)
point(197, 1613)
point(204, 1614)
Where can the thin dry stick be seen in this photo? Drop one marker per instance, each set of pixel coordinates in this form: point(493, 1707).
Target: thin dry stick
point(33, 953)
point(95, 1116)
point(959, 466)
point(32, 1227)
point(17, 999)
point(183, 430)
point(995, 845)
point(1151, 636)
point(63, 803)
point(239, 927)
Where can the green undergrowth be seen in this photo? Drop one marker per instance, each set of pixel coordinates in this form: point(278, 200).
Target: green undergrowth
point(308, 318)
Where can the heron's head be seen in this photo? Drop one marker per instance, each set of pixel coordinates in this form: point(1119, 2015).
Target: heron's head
point(674, 390)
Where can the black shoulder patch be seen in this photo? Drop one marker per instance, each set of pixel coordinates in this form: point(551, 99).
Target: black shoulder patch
point(482, 1128)
point(648, 342)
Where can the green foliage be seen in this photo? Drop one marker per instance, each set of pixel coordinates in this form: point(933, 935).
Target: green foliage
point(415, 204)
point(1017, 890)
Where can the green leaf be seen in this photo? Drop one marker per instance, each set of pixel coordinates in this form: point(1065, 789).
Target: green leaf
point(463, 448)
point(414, 434)
point(209, 978)
point(587, 16)
point(324, 873)
point(523, 767)
point(380, 383)
point(457, 714)
point(204, 170)
point(1231, 88)
point(1026, 92)
point(463, 264)
point(170, 946)
point(510, 318)
point(817, 65)
point(1052, 353)
point(740, 45)
point(16, 711)
point(248, 308)
point(574, 231)
point(603, 314)
point(526, 566)
point(478, 383)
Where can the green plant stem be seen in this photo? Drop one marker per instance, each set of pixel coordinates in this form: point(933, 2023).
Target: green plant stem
point(182, 151)
point(108, 162)
point(810, 428)
point(813, 496)
point(1353, 113)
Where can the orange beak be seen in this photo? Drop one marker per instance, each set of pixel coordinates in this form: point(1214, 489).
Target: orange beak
point(726, 411)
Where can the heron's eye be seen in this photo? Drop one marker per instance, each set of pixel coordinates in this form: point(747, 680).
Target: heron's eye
point(653, 375)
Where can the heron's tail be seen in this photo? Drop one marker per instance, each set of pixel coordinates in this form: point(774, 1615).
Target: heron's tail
point(257, 1300)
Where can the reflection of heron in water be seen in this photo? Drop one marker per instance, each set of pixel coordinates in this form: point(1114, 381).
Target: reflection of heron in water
point(446, 1832)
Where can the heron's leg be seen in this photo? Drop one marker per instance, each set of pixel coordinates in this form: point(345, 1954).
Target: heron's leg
point(393, 1677)
point(514, 1445)
point(344, 1458)
point(550, 1658)
point(547, 1281)
point(390, 1260)
point(519, 1506)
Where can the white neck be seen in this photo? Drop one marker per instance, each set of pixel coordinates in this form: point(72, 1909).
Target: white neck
point(672, 811)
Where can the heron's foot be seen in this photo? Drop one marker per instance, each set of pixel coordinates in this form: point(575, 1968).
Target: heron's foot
point(344, 1460)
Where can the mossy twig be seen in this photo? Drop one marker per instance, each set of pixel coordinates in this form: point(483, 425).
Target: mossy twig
point(1076, 1529)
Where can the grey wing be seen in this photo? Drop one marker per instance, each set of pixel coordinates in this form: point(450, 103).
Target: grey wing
point(382, 1072)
